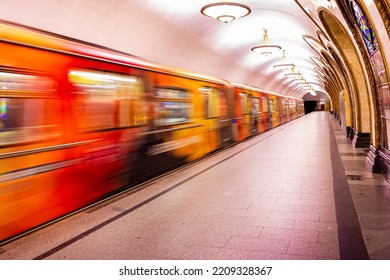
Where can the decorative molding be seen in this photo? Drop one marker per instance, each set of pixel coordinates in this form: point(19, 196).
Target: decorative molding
point(373, 160)
point(384, 11)
point(383, 7)
point(354, 93)
point(367, 65)
point(348, 83)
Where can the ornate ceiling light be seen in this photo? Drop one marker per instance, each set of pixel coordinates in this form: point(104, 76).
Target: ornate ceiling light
point(225, 11)
point(265, 48)
point(305, 86)
point(298, 78)
point(284, 66)
point(309, 89)
point(300, 81)
point(293, 74)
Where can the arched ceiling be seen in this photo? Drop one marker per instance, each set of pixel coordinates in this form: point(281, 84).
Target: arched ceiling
point(175, 33)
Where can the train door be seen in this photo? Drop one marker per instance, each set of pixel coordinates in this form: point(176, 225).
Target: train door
point(292, 110)
point(171, 138)
point(280, 109)
point(212, 103)
point(30, 155)
point(108, 111)
point(264, 113)
point(271, 110)
point(254, 114)
point(287, 110)
point(224, 121)
point(245, 115)
point(275, 113)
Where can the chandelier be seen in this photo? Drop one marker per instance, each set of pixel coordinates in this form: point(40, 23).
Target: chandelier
point(266, 49)
point(284, 66)
point(225, 11)
point(300, 81)
point(309, 89)
point(293, 74)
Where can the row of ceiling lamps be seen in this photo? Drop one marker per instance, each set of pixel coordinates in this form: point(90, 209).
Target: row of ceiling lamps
point(229, 11)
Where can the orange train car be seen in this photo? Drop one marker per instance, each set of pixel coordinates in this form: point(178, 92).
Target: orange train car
point(79, 122)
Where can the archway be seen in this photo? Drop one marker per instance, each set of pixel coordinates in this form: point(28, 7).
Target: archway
point(362, 119)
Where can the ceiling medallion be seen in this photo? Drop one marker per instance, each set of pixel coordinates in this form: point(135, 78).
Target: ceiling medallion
point(266, 49)
point(225, 11)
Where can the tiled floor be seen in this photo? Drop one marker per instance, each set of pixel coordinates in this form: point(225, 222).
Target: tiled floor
point(368, 194)
point(275, 196)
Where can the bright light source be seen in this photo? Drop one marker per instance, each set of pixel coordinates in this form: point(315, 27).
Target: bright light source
point(225, 11)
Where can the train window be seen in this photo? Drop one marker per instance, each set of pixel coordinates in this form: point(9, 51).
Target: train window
point(172, 106)
point(212, 103)
point(292, 106)
point(255, 106)
point(223, 100)
point(171, 93)
point(265, 104)
point(276, 104)
point(26, 113)
point(25, 83)
point(244, 103)
point(106, 100)
point(271, 105)
point(28, 119)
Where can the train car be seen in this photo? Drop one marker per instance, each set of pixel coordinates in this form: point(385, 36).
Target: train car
point(68, 127)
point(283, 109)
point(273, 109)
point(79, 122)
point(246, 106)
point(188, 119)
point(255, 110)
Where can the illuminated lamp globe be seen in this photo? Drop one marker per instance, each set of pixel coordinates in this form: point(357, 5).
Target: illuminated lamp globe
point(225, 11)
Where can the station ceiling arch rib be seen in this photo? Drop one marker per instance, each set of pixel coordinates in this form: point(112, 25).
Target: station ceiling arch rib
point(177, 33)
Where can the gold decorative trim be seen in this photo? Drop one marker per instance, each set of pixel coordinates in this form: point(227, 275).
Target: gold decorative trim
point(321, 28)
point(367, 65)
point(324, 38)
point(348, 82)
point(353, 89)
point(384, 10)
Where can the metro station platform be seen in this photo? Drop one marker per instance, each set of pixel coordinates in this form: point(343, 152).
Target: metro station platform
point(299, 191)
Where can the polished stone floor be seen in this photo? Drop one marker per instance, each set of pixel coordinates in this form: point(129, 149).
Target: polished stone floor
point(369, 197)
point(289, 193)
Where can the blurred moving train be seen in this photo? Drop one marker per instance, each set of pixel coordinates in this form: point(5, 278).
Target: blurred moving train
point(79, 122)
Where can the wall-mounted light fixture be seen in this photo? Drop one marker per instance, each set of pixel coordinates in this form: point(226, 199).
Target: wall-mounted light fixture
point(225, 11)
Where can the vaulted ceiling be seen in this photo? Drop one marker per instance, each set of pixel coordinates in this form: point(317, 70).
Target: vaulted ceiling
point(176, 33)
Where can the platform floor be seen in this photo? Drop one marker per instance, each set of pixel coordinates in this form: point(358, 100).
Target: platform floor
point(289, 193)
